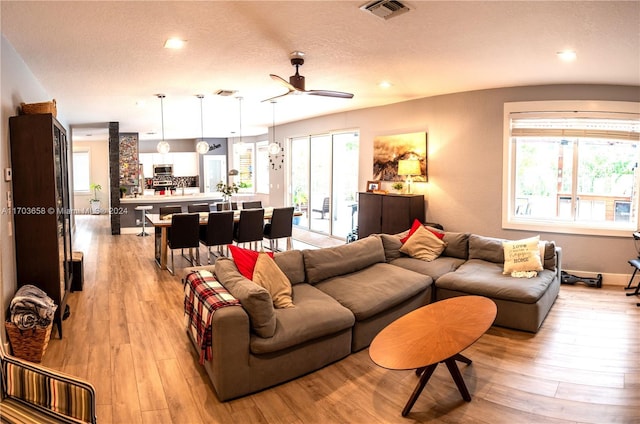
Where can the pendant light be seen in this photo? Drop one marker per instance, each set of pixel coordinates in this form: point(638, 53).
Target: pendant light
point(202, 147)
point(162, 147)
point(274, 148)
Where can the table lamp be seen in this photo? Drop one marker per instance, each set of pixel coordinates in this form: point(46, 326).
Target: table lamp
point(409, 167)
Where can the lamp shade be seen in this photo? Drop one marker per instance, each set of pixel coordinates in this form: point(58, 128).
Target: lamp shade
point(409, 167)
point(163, 147)
point(202, 147)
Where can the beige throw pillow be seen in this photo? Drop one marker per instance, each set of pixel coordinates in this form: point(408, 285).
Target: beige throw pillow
point(423, 245)
point(522, 255)
point(268, 275)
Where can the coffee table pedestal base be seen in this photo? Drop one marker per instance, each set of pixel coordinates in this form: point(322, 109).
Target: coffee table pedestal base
point(426, 372)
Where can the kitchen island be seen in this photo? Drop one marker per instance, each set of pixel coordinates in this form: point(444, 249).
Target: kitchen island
point(131, 219)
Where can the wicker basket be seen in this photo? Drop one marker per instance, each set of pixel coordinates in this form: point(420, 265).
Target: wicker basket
point(28, 344)
point(36, 108)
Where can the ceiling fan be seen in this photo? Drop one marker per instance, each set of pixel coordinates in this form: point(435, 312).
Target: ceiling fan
point(296, 82)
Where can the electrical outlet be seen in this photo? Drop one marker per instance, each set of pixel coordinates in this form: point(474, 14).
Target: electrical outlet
point(9, 199)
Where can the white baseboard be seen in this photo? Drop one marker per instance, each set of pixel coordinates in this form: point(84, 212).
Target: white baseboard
point(608, 279)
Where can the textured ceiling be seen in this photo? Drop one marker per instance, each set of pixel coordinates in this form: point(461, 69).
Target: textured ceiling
point(99, 58)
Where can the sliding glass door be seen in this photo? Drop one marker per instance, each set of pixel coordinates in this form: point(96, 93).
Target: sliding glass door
point(324, 181)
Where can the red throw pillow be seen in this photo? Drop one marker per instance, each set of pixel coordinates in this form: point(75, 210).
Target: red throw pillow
point(414, 227)
point(245, 260)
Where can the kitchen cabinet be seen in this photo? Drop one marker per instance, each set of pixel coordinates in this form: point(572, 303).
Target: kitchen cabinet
point(388, 213)
point(41, 206)
point(146, 159)
point(185, 164)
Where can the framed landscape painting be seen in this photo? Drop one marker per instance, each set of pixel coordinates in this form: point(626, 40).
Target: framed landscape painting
point(389, 149)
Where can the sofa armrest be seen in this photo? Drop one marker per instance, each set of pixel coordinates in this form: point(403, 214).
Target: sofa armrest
point(35, 386)
point(229, 367)
point(559, 262)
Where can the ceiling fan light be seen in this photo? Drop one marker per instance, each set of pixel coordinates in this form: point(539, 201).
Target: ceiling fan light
point(202, 147)
point(163, 147)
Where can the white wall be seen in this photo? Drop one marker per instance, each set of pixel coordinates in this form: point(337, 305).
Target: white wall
point(465, 138)
point(17, 85)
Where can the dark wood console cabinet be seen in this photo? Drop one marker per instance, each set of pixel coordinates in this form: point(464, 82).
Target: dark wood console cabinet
point(41, 206)
point(388, 213)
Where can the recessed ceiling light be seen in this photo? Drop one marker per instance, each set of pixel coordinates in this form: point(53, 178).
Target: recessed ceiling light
point(384, 84)
point(567, 55)
point(174, 43)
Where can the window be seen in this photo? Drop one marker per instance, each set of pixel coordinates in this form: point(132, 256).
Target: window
point(324, 181)
point(571, 167)
point(244, 162)
point(81, 171)
point(262, 167)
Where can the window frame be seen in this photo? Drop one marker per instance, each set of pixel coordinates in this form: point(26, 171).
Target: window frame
point(509, 218)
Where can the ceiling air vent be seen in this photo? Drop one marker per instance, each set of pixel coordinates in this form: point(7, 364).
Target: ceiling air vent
point(385, 9)
point(226, 93)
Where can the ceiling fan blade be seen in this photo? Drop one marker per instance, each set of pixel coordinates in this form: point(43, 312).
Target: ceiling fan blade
point(328, 93)
point(277, 97)
point(283, 82)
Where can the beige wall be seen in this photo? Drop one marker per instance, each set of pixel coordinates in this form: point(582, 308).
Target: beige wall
point(465, 136)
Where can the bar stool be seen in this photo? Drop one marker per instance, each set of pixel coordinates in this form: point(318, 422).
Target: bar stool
point(144, 209)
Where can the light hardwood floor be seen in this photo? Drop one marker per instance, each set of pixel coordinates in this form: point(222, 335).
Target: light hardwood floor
point(126, 335)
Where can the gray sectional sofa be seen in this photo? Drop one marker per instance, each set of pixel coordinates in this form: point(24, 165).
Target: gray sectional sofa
point(345, 295)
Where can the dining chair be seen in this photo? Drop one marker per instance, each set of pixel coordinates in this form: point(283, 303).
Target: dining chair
point(198, 207)
point(185, 234)
point(252, 204)
point(221, 206)
point(218, 232)
point(250, 227)
point(281, 226)
point(169, 210)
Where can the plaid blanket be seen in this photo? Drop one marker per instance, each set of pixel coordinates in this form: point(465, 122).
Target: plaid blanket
point(203, 295)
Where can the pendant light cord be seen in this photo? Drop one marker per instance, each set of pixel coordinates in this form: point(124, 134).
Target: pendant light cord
point(161, 96)
point(200, 96)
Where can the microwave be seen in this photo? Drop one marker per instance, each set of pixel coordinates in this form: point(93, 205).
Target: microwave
point(162, 170)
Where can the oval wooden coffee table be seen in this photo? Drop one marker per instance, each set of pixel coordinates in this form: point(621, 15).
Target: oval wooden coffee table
point(432, 334)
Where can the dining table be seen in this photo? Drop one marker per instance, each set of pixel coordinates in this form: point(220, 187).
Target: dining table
point(162, 223)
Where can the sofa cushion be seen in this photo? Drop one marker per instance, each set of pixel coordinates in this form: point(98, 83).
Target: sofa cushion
point(457, 245)
point(292, 264)
point(255, 300)
point(417, 224)
point(434, 269)
point(423, 245)
point(549, 260)
point(321, 264)
point(485, 278)
point(267, 274)
point(245, 260)
point(316, 315)
point(374, 289)
point(486, 248)
point(522, 255)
